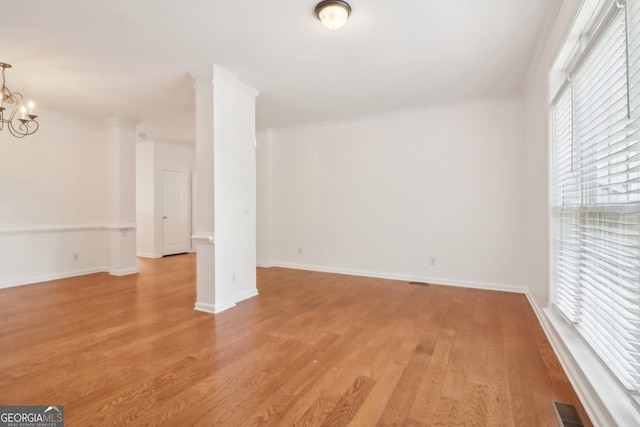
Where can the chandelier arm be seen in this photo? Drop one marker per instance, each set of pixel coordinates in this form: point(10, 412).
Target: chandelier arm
point(26, 127)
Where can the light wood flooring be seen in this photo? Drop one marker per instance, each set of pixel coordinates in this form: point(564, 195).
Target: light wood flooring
point(313, 349)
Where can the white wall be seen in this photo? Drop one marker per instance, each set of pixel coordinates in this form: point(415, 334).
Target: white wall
point(151, 159)
point(53, 203)
point(264, 198)
point(383, 195)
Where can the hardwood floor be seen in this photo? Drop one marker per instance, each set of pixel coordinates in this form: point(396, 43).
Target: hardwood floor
point(313, 349)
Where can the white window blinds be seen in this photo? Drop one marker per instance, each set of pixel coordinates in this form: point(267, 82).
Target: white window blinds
point(596, 195)
point(566, 201)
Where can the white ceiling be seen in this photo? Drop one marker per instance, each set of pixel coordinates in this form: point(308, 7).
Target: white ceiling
point(132, 58)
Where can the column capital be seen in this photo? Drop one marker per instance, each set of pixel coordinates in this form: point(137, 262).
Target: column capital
point(209, 73)
point(202, 75)
point(205, 76)
point(224, 74)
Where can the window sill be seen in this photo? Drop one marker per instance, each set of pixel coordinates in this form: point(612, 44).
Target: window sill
point(606, 402)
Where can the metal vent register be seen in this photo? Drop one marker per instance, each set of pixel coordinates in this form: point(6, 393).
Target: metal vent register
point(567, 415)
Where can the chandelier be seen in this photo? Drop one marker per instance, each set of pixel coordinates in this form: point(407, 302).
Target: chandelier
point(10, 103)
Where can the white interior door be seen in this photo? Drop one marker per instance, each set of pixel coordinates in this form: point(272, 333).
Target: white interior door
point(176, 213)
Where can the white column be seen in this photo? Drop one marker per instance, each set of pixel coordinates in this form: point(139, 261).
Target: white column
point(121, 135)
point(235, 188)
point(225, 190)
point(203, 236)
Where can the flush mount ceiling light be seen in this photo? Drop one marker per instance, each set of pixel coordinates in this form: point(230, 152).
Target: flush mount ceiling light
point(333, 13)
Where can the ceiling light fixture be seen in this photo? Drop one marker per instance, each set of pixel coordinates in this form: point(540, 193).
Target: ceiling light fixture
point(10, 103)
point(333, 13)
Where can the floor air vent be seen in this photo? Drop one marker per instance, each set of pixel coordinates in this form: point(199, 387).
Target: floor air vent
point(419, 283)
point(567, 415)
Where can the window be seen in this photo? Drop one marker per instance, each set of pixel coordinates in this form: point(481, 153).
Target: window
point(596, 194)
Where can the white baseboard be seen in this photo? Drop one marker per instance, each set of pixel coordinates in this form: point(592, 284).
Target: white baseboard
point(604, 400)
point(264, 265)
point(46, 278)
point(214, 308)
point(222, 306)
point(219, 307)
point(408, 278)
point(246, 295)
point(148, 255)
point(204, 307)
point(124, 272)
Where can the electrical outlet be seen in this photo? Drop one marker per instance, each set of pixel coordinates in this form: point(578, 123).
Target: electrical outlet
point(234, 277)
point(76, 257)
point(432, 261)
point(299, 251)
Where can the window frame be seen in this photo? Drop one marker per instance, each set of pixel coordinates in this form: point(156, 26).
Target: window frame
point(574, 63)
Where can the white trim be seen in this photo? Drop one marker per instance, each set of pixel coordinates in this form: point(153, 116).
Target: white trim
point(67, 229)
point(204, 307)
point(549, 21)
point(202, 75)
point(118, 121)
point(204, 237)
point(120, 228)
point(322, 123)
point(147, 255)
point(585, 19)
point(220, 307)
point(214, 308)
point(408, 278)
point(52, 229)
point(243, 87)
point(124, 272)
point(49, 277)
point(604, 400)
point(223, 74)
point(75, 120)
point(246, 295)
point(264, 264)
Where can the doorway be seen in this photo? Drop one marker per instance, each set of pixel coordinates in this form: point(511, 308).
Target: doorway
point(176, 212)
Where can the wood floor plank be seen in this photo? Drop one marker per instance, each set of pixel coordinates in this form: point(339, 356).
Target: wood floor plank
point(350, 403)
point(284, 404)
point(304, 388)
point(430, 388)
point(312, 349)
point(315, 414)
point(373, 407)
point(399, 405)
